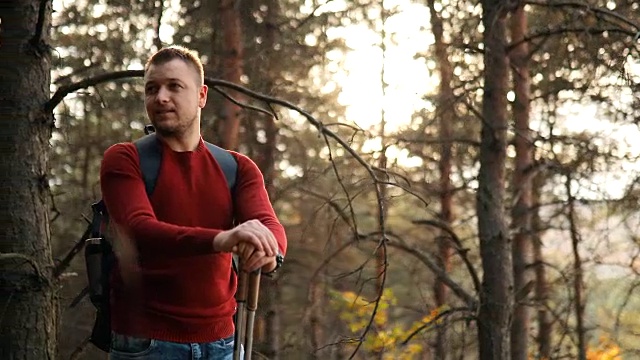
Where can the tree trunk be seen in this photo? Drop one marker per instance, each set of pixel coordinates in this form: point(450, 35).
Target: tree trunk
point(578, 301)
point(446, 116)
point(381, 256)
point(269, 341)
point(545, 324)
point(496, 298)
point(269, 302)
point(231, 70)
point(316, 300)
point(270, 344)
point(28, 302)
point(521, 187)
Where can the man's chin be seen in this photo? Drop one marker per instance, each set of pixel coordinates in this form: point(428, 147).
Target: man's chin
point(163, 128)
point(167, 126)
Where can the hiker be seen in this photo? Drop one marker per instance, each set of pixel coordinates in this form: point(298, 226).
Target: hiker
point(180, 303)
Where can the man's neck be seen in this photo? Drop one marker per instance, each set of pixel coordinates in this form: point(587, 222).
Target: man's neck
point(184, 142)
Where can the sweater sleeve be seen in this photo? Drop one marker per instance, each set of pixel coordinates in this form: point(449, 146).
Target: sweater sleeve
point(252, 200)
point(129, 207)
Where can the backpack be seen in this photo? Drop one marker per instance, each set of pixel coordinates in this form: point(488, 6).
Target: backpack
point(99, 256)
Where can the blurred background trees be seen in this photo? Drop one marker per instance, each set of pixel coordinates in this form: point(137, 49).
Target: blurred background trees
point(503, 137)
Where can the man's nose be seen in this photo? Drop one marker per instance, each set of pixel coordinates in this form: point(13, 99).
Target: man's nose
point(163, 95)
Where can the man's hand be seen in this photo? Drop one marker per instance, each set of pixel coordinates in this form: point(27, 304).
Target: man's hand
point(253, 259)
point(253, 233)
point(125, 251)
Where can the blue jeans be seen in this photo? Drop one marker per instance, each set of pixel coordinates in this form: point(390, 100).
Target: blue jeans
point(127, 348)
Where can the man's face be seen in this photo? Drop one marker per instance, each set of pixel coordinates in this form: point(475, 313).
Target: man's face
point(173, 97)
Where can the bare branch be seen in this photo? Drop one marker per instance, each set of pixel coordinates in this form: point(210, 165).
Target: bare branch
point(244, 105)
point(469, 299)
point(66, 261)
point(433, 321)
point(459, 248)
point(381, 219)
point(63, 91)
point(439, 141)
point(54, 209)
point(344, 188)
point(583, 5)
point(627, 297)
point(81, 295)
point(160, 11)
point(333, 204)
point(79, 350)
point(405, 189)
point(310, 16)
point(355, 128)
point(65, 78)
point(565, 30)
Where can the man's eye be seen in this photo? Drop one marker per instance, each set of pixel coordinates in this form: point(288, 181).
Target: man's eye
point(150, 90)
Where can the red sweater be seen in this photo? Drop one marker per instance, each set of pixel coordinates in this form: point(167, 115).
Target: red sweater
point(185, 291)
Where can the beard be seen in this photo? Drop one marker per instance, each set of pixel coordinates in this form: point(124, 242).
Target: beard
point(173, 128)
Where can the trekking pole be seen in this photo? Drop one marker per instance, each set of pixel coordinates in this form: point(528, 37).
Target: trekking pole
point(252, 306)
point(247, 299)
point(241, 300)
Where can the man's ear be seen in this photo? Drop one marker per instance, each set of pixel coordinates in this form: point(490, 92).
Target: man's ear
point(202, 96)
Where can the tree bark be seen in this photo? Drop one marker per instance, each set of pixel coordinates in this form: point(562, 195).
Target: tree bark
point(28, 302)
point(231, 70)
point(446, 116)
point(496, 298)
point(521, 187)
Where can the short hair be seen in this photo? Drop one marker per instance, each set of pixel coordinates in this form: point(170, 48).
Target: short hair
point(172, 52)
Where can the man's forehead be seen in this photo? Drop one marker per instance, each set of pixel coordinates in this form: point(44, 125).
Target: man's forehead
point(152, 79)
point(173, 70)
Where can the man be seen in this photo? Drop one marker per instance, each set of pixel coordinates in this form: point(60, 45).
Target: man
point(173, 289)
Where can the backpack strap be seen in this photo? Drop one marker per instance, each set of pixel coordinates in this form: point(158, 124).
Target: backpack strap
point(150, 155)
point(227, 162)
